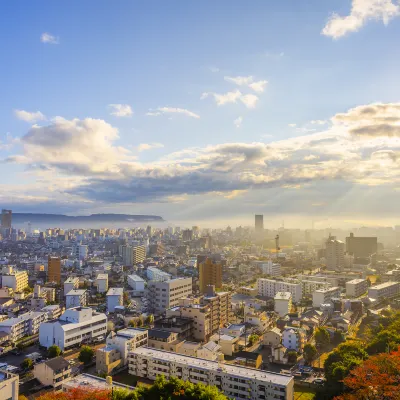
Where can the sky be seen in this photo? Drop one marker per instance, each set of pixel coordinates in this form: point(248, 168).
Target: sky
point(202, 110)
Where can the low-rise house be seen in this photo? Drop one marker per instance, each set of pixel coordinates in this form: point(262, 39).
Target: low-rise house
point(272, 337)
point(210, 351)
point(189, 348)
point(293, 338)
point(229, 344)
point(164, 340)
point(54, 372)
point(108, 359)
point(248, 359)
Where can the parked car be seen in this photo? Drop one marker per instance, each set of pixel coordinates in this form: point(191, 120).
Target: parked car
point(319, 381)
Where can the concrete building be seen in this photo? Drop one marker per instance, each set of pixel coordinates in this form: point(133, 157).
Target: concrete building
point(272, 337)
point(16, 280)
point(164, 340)
point(102, 283)
point(259, 225)
point(362, 247)
point(50, 293)
point(210, 273)
point(126, 340)
point(283, 303)
point(293, 338)
point(356, 287)
point(136, 282)
point(25, 325)
point(54, 269)
point(70, 284)
point(334, 254)
point(9, 385)
point(108, 359)
point(75, 326)
point(6, 219)
point(384, 290)
point(324, 296)
point(53, 372)
point(6, 292)
point(270, 268)
point(155, 274)
point(53, 311)
point(89, 382)
point(115, 298)
point(221, 307)
point(270, 287)
point(132, 255)
point(234, 381)
point(165, 295)
point(76, 298)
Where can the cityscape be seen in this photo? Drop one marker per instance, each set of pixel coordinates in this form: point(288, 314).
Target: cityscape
point(200, 200)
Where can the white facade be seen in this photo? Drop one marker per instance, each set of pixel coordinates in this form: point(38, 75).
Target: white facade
point(16, 280)
point(9, 385)
point(283, 303)
point(293, 339)
point(334, 254)
point(324, 296)
point(234, 381)
point(384, 290)
point(70, 284)
point(126, 340)
point(75, 298)
point(270, 287)
point(102, 283)
point(136, 282)
point(25, 325)
point(270, 268)
point(155, 274)
point(81, 251)
point(165, 295)
point(356, 287)
point(115, 297)
point(75, 326)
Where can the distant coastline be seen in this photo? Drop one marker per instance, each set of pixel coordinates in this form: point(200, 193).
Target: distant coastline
point(20, 218)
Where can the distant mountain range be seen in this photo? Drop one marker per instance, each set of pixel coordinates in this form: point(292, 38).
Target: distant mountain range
point(42, 218)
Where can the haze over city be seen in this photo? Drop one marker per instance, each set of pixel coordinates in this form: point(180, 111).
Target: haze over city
point(199, 111)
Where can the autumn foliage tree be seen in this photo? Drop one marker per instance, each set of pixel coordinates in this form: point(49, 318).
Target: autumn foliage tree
point(376, 378)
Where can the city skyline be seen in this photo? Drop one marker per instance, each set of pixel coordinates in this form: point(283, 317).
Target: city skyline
point(207, 112)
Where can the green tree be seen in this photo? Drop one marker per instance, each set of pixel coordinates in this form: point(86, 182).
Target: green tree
point(86, 354)
point(322, 337)
point(292, 357)
point(140, 321)
point(133, 323)
point(310, 352)
point(150, 319)
point(253, 339)
point(53, 351)
point(337, 337)
point(27, 364)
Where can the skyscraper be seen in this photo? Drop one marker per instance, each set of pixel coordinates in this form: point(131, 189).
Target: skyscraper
point(6, 218)
point(210, 273)
point(54, 269)
point(259, 224)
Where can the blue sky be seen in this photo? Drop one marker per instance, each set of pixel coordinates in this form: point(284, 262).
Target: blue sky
point(202, 110)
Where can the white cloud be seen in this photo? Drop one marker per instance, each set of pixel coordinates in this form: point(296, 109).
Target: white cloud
point(238, 122)
point(49, 38)
point(292, 125)
point(361, 12)
point(257, 86)
point(318, 122)
point(249, 100)
point(311, 157)
point(29, 116)
point(214, 69)
point(221, 99)
point(149, 146)
point(120, 110)
point(172, 110)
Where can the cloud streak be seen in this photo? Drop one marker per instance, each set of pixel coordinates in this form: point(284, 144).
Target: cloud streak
point(172, 110)
point(120, 110)
point(48, 38)
point(28, 116)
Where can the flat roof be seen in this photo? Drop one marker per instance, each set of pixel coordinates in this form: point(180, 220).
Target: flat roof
point(102, 276)
point(91, 381)
point(283, 296)
point(240, 372)
point(136, 278)
point(355, 281)
point(76, 292)
point(115, 291)
point(384, 285)
point(326, 290)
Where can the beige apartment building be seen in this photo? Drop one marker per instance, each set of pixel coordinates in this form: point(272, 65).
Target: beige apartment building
point(210, 273)
point(53, 372)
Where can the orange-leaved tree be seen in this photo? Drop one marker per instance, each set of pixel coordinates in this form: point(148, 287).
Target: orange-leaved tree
point(376, 378)
point(77, 394)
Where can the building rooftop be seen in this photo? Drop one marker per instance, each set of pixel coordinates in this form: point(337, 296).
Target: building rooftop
point(71, 279)
point(355, 281)
point(92, 382)
point(327, 290)
point(102, 276)
point(136, 278)
point(130, 332)
point(384, 285)
point(76, 292)
point(240, 372)
point(57, 363)
point(115, 291)
point(283, 296)
point(159, 334)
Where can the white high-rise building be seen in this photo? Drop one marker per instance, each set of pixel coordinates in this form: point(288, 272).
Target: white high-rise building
point(324, 296)
point(270, 287)
point(334, 254)
point(102, 283)
point(16, 280)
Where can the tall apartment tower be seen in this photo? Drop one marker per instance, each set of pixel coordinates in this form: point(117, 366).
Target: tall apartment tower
point(210, 273)
point(6, 218)
point(334, 254)
point(259, 224)
point(54, 269)
point(361, 246)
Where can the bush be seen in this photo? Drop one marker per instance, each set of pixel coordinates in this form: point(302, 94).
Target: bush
point(53, 351)
point(86, 354)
